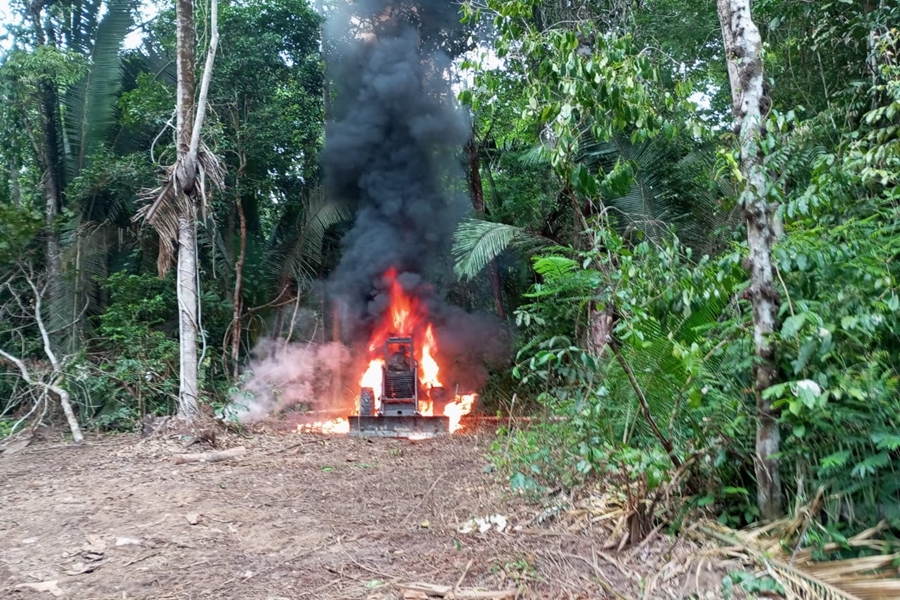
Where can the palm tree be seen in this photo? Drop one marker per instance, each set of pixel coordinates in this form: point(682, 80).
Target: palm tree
point(76, 119)
point(663, 196)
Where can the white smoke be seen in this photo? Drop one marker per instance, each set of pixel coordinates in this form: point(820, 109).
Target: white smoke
point(287, 376)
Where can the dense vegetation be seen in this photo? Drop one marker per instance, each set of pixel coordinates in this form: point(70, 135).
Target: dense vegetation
point(614, 202)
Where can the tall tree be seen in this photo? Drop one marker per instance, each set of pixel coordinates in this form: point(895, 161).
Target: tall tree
point(174, 210)
point(743, 45)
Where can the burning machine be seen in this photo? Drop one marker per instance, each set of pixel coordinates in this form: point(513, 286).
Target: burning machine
point(394, 409)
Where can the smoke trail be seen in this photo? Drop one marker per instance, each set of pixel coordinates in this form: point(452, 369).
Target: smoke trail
point(392, 146)
point(290, 376)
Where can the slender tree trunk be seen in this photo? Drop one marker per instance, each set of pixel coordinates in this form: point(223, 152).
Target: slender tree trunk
point(187, 317)
point(15, 189)
point(52, 181)
point(238, 291)
point(745, 71)
point(52, 184)
point(326, 81)
point(185, 177)
point(477, 190)
point(184, 115)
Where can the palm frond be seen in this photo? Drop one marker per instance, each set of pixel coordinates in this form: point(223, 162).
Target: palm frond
point(476, 243)
point(650, 205)
point(89, 104)
point(668, 191)
point(304, 251)
point(534, 156)
point(862, 578)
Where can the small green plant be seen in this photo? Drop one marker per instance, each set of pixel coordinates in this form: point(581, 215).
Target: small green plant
point(752, 583)
point(6, 428)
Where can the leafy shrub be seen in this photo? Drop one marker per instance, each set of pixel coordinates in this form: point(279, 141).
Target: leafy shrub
point(136, 370)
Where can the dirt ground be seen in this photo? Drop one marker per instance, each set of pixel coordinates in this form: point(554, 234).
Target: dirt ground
point(300, 516)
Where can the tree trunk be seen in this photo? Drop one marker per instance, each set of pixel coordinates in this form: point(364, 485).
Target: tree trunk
point(52, 187)
point(745, 71)
point(238, 291)
point(184, 108)
point(601, 328)
point(15, 189)
point(477, 190)
point(185, 181)
point(66, 404)
point(187, 316)
point(52, 164)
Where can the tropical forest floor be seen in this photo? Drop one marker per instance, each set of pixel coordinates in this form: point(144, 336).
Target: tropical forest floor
point(310, 516)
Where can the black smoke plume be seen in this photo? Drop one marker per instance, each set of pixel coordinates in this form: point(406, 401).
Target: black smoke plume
point(392, 148)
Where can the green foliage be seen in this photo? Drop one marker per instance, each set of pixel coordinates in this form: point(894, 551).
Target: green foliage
point(537, 457)
point(19, 228)
point(671, 330)
point(752, 583)
point(45, 64)
point(145, 109)
point(477, 243)
point(90, 101)
point(140, 372)
point(840, 343)
point(588, 93)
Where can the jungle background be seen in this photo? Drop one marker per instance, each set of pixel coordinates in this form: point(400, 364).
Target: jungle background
point(608, 229)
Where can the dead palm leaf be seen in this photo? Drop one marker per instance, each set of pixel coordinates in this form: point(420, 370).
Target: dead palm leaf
point(166, 204)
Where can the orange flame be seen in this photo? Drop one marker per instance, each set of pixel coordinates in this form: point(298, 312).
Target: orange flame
point(372, 379)
point(459, 407)
point(333, 426)
point(406, 318)
point(428, 365)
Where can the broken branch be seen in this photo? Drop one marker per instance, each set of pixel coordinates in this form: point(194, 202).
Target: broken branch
point(447, 591)
point(211, 457)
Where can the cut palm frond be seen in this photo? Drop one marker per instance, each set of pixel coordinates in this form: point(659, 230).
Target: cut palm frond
point(863, 578)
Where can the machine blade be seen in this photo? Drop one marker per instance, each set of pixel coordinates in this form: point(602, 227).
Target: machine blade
point(398, 426)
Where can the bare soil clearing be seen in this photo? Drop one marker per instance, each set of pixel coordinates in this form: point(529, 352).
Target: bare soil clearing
point(294, 516)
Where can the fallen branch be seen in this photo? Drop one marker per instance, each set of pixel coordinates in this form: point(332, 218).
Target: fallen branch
point(464, 573)
point(211, 457)
point(61, 393)
point(447, 591)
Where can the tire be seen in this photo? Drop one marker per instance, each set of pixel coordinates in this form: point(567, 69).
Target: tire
point(366, 402)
